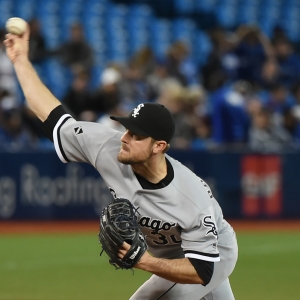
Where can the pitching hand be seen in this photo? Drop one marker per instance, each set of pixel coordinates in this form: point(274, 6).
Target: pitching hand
point(17, 46)
point(124, 249)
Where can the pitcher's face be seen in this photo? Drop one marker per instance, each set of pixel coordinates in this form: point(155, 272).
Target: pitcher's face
point(135, 148)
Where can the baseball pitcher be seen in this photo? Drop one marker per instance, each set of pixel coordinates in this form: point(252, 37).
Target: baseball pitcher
point(191, 249)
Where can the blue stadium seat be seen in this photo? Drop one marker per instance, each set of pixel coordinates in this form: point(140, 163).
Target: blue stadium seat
point(141, 10)
point(249, 2)
point(65, 25)
point(6, 11)
point(117, 57)
point(58, 78)
point(160, 49)
point(289, 19)
point(116, 33)
point(51, 31)
point(161, 29)
point(25, 9)
point(70, 6)
point(47, 14)
point(94, 33)
point(47, 7)
point(94, 7)
point(184, 30)
point(117, 10)
point(93, 18)
point(202, 47)
point(91, 2)
point(41, 71)
point(115, 19)
point(95, 76)
point(205, 5)
point(227, 15)
point(248, 14)
point(160, 36)
point(115, 30)
point(138, 32)
point(101, 60)
point(69, 13)
point(117, 43)
point(138, 23)
point(272, 2)
point(271, 12)
point(267, 26)
point(184, 7)
point(292, 28)
point(99, 46)
point(290, 12)
point(162, 8)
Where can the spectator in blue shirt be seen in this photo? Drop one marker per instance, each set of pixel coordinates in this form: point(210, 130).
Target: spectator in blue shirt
point(230, 118)
point(278, 100)
point(252, 51)
point(288, 60)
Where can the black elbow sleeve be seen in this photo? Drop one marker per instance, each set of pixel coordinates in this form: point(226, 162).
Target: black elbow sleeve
point(205, 269)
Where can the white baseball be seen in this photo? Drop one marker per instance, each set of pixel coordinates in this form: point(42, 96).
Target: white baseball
point(16, 26)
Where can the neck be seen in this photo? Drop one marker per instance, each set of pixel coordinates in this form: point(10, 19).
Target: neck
point(154, 170)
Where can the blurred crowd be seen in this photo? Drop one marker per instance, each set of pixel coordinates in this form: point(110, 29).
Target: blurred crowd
point(246, 95)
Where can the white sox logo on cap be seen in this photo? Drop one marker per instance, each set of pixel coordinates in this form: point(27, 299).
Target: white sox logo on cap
point(154, 121)
point(136, 111)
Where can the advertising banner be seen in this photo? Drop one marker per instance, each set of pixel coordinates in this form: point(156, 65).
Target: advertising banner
point(261, 185)
point(38, 186)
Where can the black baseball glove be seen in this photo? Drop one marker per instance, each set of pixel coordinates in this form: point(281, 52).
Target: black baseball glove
point(118, 223)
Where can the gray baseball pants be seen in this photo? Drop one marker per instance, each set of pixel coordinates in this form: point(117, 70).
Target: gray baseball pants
point(157, 288)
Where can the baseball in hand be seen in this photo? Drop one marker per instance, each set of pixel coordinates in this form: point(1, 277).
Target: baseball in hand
point(16, 26)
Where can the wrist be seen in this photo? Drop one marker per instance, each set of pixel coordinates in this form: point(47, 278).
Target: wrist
point(145, 262)
point(20, 59)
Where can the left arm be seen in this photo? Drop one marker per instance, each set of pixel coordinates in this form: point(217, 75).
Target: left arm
point(177, 270)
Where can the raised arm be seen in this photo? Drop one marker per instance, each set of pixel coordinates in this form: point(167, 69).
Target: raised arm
point(40, 100)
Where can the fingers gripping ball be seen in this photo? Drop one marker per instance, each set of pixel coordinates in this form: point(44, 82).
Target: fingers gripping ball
point(118, 223)
point(16, 26)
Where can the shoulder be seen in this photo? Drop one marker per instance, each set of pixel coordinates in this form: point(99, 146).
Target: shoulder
point(190, 186)
point(91, 131)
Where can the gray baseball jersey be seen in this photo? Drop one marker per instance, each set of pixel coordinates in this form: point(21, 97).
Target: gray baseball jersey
point(182, 219)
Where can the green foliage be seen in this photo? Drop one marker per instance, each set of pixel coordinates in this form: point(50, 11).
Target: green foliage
point(68, 267)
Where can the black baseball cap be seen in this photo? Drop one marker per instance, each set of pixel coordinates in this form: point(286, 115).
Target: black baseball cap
point(151, 120)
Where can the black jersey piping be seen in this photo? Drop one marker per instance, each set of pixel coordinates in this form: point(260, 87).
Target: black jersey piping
point(59, 140)
point(201, 253)
point(166, 291)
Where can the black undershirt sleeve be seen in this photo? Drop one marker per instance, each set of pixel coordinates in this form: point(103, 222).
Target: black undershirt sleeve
point(204, 269)
point(50, 122)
